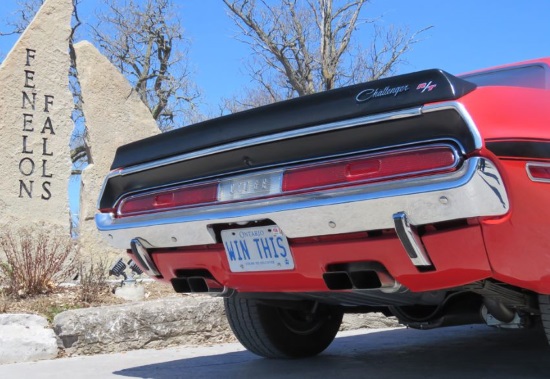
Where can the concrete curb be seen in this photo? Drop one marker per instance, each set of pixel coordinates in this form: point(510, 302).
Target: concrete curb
point(145, 324)
point(193, 320)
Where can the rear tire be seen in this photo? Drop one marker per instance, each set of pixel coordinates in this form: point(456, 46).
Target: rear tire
point(275, 332)
point(544, 307)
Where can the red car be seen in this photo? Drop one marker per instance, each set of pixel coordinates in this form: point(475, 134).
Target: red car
point(424, 196)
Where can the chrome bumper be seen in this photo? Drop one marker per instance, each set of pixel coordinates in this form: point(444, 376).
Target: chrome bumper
point(476, 189)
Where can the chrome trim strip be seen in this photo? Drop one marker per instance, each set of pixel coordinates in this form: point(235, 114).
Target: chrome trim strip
point(410, 240)
point(475, 189)
point(461, 109)
point(540, 164)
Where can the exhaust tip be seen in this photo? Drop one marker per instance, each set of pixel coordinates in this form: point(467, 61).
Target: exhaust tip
point(366, 279)
point(195, 280)
point(197, 284)
point(181, 285)
point(359, 276)
point(337, 280)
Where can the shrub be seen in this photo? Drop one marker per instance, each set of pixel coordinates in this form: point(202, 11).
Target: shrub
point(93, 280)
point(3, 302)
point(35, 259)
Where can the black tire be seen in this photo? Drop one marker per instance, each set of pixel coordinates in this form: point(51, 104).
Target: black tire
point(544, 307)
point(275, 332)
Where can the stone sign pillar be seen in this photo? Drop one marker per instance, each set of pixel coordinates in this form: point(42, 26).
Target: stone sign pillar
point(35, 121)
point(115, 115)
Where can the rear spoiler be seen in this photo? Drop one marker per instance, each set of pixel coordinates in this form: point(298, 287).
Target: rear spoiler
point(369, 98)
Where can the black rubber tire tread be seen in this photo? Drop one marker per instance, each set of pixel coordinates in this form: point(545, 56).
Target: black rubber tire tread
point(544, 307)
point(259, 328)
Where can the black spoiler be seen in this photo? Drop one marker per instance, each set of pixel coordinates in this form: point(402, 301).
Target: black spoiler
point(397, 92)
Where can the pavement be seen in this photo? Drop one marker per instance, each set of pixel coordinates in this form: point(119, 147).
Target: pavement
point(457, 352)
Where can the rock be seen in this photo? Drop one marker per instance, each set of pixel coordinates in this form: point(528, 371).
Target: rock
point(26, 338)
point(130, 292)
point(115, 115)
point(354, 321)
point(151, 324)
point(35, 121)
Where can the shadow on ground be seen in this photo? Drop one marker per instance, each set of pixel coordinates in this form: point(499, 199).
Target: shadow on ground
point(459, 352)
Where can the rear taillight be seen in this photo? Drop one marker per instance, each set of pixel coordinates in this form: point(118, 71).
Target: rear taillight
point(538, 172)
point(358, 170)
point(172, 199)
point(375, 168)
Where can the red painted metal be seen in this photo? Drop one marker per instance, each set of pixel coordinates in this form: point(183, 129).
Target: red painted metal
point(458, 254)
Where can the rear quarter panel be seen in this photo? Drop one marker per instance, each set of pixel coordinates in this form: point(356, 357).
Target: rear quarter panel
point(515, 124)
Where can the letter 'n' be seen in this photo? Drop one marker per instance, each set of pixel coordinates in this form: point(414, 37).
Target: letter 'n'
point(23, 187)
point(27, 100)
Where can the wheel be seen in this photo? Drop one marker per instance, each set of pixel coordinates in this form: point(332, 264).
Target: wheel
point(544, 307)
point(273, 331)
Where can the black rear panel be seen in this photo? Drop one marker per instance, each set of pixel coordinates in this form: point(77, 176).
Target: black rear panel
point(379, 96)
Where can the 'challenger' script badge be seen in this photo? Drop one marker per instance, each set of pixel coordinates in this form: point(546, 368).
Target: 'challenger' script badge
point(374, 93)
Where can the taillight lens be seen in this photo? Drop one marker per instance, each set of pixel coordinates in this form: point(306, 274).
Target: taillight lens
point(539, 172)
point(176, 198)
point(381, 167)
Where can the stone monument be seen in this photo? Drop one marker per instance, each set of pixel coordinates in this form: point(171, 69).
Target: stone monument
point(36, 125)
point(115, 115)
point(35, 122)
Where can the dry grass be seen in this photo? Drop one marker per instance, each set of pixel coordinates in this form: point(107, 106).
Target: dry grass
point(93, 276)
point(35, 260)
point(70, 297)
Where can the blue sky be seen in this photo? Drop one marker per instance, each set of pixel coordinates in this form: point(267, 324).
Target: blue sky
point(466, 35)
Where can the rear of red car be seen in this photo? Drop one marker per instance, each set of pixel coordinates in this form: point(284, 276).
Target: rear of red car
point(421, 195)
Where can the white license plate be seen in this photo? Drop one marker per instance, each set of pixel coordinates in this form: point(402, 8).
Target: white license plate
point(262, 248)
point(250, 186)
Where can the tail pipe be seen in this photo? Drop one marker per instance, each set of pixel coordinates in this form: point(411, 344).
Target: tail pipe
point(360, 276)
point(196, 284)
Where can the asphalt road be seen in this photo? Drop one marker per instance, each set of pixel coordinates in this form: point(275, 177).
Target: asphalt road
point(459, 352)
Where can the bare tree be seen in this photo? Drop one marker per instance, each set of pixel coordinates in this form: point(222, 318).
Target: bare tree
point(144, 39)
point(247, 98)
point(24, 15)
point(303, 47)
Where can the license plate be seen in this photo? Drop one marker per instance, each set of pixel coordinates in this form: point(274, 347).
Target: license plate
point(262, 248)
point(250, 186)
